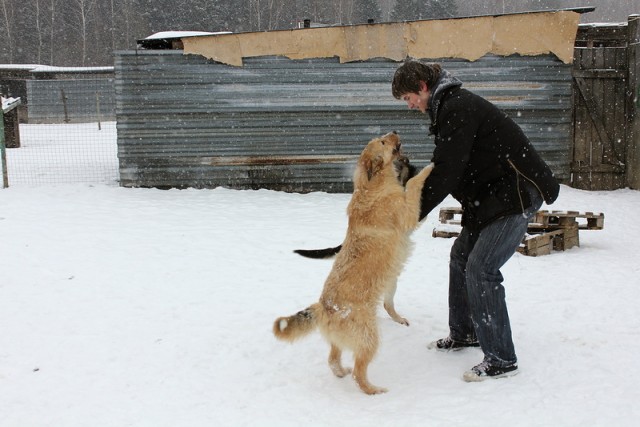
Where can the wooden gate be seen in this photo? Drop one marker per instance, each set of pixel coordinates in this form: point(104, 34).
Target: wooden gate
point(604, 110)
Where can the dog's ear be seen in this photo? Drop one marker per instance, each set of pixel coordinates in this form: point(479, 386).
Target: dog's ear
point(374, 165)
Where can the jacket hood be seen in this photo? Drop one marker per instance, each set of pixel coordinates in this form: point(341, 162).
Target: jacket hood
point(446, 81)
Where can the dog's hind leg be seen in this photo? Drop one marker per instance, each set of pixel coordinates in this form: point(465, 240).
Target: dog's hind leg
point(389, 305)
point(335, 362)
point(363, 358)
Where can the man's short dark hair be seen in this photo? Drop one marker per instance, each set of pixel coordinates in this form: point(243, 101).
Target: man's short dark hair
point(408, 76)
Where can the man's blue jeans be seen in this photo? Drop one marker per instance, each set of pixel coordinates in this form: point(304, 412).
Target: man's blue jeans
point(477, 307)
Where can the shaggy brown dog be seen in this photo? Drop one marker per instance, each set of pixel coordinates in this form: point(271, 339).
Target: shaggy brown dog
point(382, 214)
point(404, 171)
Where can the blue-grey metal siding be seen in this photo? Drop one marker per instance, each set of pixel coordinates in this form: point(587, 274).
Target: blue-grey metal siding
point(298, 125)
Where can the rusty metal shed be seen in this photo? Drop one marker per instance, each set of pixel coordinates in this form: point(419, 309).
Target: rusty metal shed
point(297, 123)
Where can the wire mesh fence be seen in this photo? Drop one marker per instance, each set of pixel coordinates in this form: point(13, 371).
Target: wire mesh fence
point(64, 153)
point(68, 139)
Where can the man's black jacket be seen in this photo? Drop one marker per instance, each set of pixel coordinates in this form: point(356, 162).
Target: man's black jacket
point(482, 158)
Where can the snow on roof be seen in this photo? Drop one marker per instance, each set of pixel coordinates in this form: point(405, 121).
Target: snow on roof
point(25, 67)
point(180, 34)
point(604, 24)
point(52, 69)
point(36, 68)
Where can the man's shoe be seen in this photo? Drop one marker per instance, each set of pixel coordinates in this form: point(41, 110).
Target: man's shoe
point(447, 344)
point(485, 370)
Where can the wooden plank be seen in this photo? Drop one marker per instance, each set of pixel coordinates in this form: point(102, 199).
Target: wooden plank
point(613, 119)
point(619, 74)
point(620, 110)
point(632, 136)
point(566, 240)
point(444, 233)
point(598, 35)
point(582, 127)
point(599, 168)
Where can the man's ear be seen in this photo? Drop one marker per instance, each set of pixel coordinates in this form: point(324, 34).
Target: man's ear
point(423, 86)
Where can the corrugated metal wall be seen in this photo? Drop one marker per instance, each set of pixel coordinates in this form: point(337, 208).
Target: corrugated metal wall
point(77, 100)
point(298, 125)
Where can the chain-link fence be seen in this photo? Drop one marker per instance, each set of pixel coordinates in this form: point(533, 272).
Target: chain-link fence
point(67, 134)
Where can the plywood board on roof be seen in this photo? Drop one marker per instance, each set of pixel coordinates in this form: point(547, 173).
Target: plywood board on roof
point(467, 38)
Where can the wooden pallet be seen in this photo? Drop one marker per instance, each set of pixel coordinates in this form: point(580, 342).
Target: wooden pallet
point(562, 219)
point(450, 219)
point(548, 230)
point(539, 244)
point(449, 215)
point(560, 239)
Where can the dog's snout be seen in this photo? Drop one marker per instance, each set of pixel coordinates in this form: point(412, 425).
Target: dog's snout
point(397, 147)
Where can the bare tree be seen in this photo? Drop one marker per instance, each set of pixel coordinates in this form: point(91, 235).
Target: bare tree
point(112, 16)
point(255, 14)
point(339, 8)
point(39, 27)
point(52, 30)
point(84, 14)
point(354, 11)
point(128, 10)
point(266, 14)
point(386, 6)
point(7, 20)
point(275, 13)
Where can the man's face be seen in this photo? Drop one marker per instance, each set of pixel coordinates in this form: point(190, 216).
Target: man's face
point(417, 101)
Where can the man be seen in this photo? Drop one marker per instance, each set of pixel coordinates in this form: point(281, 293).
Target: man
point(484, 160)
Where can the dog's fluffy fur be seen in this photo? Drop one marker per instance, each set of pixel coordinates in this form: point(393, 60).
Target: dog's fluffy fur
point(382, 214)
point(404, 171)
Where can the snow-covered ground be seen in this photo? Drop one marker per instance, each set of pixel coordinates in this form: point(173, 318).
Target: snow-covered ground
point(63, 154)
point(143, 307)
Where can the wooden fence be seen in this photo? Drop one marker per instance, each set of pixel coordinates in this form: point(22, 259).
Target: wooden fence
point(606, 122)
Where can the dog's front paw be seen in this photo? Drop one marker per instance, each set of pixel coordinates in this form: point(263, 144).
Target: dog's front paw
point(388, 305)
point(402, 321)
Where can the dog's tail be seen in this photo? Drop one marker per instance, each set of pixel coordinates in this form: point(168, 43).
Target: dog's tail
point(319, 253)
point(297, 326)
